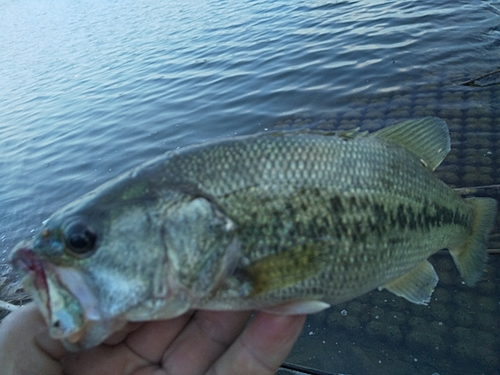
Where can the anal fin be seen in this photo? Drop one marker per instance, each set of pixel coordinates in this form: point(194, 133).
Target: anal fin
point(416, 285)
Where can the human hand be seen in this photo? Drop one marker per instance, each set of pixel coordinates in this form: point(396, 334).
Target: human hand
point(198, 342)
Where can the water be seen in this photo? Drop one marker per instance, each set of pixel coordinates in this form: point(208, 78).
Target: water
point(90, 89)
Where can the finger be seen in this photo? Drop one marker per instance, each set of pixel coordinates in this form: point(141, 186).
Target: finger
point(121, 335)
point(262, 347)
point(142, 349)
point(205, 338)
point(103, 359)
point(151, 341)
point(25, 344)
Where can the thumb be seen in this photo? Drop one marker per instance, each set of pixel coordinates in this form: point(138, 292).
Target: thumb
point(25, 345)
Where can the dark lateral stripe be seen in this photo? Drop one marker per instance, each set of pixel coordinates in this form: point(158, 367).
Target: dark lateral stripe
point(379, 219)
point(353, 218)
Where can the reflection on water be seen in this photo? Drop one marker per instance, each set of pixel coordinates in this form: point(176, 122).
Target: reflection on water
point(89, 92)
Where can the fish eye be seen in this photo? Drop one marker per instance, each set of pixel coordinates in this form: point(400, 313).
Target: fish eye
point(80, 238)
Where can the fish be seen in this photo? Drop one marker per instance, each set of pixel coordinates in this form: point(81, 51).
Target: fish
point(285, 222)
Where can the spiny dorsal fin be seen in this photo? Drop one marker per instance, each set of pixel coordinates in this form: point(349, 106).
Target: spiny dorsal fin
point(345, 134)
point(427, 137)
point(351, 134)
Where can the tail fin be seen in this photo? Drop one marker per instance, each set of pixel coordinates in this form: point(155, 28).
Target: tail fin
point(470, 258)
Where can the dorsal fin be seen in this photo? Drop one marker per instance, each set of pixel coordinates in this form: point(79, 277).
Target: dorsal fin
point(427, 137)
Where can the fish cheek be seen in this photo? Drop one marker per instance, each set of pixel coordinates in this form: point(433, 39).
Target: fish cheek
point(131, 261)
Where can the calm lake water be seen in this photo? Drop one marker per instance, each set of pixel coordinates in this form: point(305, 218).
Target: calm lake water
point(90, 89)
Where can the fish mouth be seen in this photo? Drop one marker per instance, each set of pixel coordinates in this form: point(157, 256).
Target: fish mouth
point(64, 298)
point(35, 278)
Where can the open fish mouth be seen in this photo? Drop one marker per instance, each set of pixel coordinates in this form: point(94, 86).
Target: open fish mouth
point(35, 280)
point(62, 295)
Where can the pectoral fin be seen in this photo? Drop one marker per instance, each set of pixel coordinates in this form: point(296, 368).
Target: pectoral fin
point(416, 285)
point(286, 268)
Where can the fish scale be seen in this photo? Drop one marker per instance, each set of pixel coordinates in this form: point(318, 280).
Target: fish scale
point(306, 194)
point(280, 206)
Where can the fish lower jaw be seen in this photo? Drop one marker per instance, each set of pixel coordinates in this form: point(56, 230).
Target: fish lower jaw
point(57, 332)
point(92, 334)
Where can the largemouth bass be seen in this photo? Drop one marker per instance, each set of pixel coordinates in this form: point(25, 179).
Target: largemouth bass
point(283, 222)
